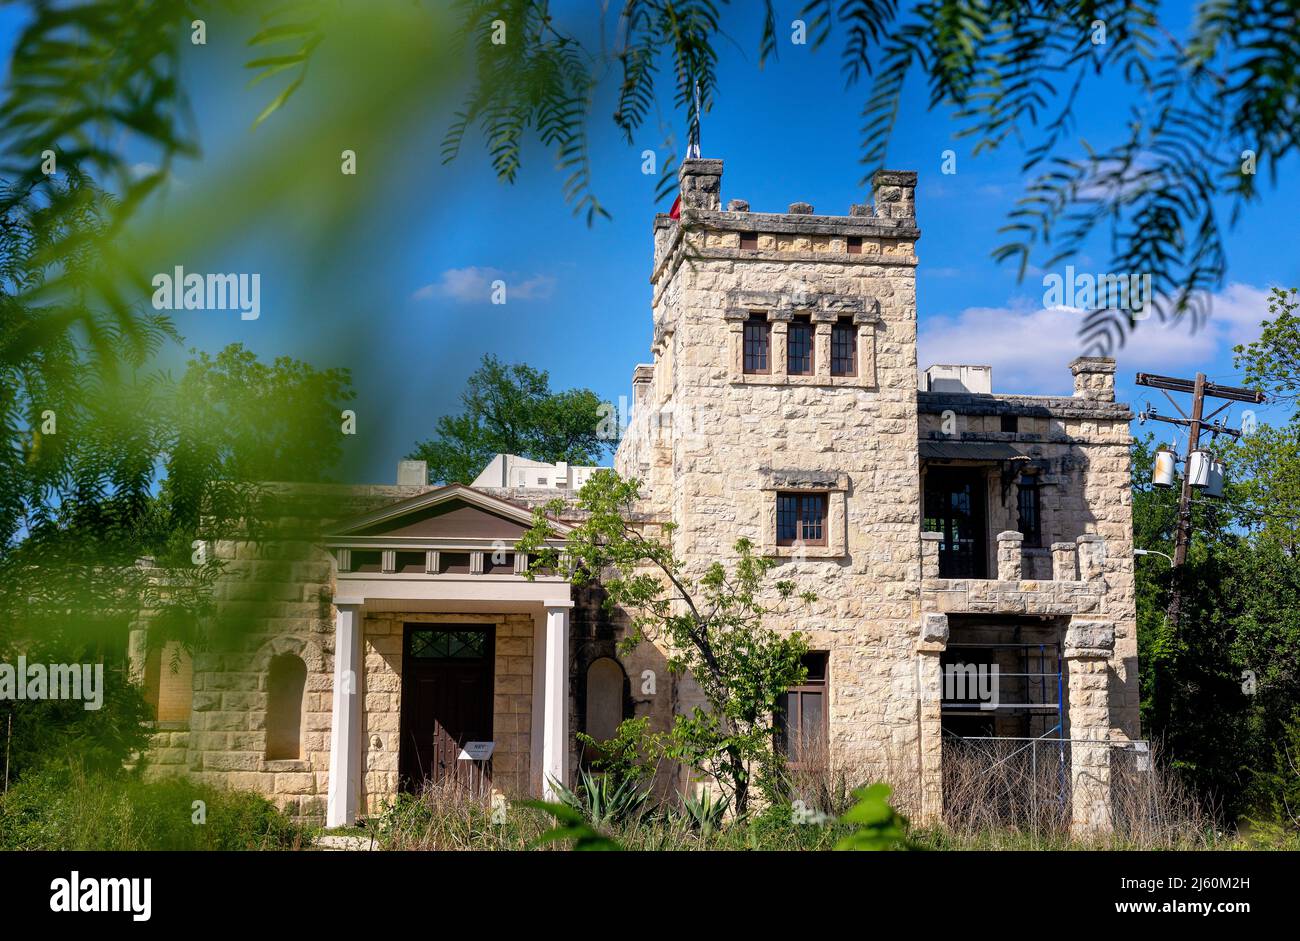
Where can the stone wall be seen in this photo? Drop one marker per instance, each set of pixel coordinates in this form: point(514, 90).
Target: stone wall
point(1078, 448)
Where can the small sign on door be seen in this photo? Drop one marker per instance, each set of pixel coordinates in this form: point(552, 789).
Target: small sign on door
point(476, 751)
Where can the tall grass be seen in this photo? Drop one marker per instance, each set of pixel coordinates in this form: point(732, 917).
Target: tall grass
point(997, 799)
point(68, 809)
point(1001, 794)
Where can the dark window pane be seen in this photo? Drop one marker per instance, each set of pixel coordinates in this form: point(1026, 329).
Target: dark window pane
point(813, 517)
point(1028, 506)
point(801, 517)
point(954, 507)
point(757, 333)
point(800, 348)
point(815, 663)
point(844, 350)
point(749, 240)
point(442, 644)
point(787, 518)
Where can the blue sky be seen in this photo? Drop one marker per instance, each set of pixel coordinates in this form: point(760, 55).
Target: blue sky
point(579, 296)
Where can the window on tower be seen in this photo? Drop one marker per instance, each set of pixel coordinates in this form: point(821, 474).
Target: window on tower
point(799, 360)
point(844, 348)
point(801, 518)
point(758, 334)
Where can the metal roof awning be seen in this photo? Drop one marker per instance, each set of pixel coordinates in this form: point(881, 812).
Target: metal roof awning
point(968, 451)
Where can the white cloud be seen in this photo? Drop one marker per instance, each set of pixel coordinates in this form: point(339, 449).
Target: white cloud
point(473, 285)
point(1030, 347)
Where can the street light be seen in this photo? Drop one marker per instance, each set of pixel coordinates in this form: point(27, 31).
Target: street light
point(1154, 552)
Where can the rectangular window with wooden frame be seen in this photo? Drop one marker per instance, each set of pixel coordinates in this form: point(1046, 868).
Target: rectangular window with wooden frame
point(844, 348)
point(799, 361)
point(801, 519)
point(800, 720)
point(758, 335)
point(1029, 512)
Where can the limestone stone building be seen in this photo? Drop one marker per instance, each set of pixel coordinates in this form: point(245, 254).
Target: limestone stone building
point(943, 528)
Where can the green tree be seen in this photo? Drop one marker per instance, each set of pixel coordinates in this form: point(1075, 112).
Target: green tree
point(1220, 694)
point(709, 623)
point(1272, 363)
point(510, 409)
point(114, 528)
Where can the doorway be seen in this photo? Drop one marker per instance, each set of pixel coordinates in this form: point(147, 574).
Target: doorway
point(447, 678)
point(955, 507)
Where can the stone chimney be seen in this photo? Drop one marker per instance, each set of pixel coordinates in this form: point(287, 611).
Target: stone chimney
point(412, 473)
point(1094, 378)
point(701, 184)
point(894, 193)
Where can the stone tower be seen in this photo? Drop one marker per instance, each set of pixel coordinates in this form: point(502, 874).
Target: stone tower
point(785, 367)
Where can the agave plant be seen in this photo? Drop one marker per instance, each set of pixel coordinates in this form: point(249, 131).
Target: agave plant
point(603, 800)
point(704, 813)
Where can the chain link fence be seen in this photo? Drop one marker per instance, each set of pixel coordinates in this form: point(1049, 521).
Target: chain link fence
point(1024, 785)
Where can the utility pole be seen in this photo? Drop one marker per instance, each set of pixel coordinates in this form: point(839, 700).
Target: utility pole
point(1195, 423)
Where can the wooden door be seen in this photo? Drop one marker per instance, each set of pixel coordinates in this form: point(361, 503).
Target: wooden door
point(446, 701)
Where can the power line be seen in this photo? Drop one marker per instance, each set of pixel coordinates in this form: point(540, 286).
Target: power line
point(1200, 389)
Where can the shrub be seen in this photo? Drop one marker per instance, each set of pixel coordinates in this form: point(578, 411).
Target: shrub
point(67, 809)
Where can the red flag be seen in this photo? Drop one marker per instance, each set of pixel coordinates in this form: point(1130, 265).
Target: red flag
point(676, 211)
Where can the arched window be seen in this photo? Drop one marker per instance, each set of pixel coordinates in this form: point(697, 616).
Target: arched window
point(285, 684)
point(604, 698)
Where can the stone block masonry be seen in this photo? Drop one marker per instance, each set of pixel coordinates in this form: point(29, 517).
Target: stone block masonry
point(719, 441)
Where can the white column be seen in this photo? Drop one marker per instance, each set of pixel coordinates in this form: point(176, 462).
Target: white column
point(555, 700)
point(345, 731)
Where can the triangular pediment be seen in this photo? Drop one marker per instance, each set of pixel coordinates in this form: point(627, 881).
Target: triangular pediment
point(453, 512)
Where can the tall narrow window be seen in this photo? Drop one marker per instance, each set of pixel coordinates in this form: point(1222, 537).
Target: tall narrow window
point(800, 723)
point(799, 361)
point(285, 684)
point(169, 682)
point(801, 517)
point(844, 348)
point(757, 335)
point(1030, 522)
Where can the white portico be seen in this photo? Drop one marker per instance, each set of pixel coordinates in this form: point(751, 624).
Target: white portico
point(440, 639)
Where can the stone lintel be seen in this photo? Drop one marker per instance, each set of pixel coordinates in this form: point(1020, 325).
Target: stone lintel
point(781, 479)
